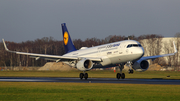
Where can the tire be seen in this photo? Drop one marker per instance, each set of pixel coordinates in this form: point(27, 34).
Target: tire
point(123, 76)
point(86, 76)
point(118, 76)
point(132, 71)
point(81, 75)
point(129, 71)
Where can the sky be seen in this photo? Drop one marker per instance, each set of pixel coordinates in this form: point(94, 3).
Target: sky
point(23, 20)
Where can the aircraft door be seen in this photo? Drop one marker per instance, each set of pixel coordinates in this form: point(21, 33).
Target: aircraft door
point(99, 52)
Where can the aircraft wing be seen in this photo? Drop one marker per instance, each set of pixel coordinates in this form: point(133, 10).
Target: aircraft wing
point(49, 57)
point(157, 56)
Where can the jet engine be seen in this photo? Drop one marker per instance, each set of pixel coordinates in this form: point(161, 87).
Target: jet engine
point(141, 65)
point(84, 64)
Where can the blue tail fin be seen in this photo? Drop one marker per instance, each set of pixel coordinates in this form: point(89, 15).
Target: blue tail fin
point(68, 45)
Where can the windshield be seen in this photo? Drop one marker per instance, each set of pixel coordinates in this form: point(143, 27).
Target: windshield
point(134, 45)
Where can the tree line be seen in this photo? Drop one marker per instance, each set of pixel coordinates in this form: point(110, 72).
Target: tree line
point(152, 44)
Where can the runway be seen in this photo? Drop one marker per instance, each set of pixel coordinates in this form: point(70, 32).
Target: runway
point(90, 80)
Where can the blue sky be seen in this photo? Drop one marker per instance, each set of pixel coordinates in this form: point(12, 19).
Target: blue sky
point(22, 20)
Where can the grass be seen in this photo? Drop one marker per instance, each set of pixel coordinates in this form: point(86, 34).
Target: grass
point(44, 91)
point(92, 74)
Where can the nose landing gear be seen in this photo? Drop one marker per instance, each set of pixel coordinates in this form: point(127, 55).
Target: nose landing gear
point(130, 71)
point(129, 64)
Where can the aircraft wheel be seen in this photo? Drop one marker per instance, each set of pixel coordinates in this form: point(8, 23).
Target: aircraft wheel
point(123, 76)
point(118, 76)
point(81, 75)
point(130, 71)
point(86, 76)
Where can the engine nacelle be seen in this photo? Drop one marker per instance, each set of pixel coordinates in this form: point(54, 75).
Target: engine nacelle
point(141, 65)
point(84, 64)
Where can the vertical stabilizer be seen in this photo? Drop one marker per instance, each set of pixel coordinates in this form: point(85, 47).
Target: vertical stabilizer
point(68, 45)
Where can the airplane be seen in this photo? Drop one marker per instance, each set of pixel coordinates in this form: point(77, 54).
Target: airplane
point(117, 54)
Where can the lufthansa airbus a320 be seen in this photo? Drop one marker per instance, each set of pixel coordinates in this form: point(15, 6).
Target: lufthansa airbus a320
point(118, 54)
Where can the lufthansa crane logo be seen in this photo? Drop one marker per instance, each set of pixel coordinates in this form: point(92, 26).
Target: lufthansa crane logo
point(66, 38)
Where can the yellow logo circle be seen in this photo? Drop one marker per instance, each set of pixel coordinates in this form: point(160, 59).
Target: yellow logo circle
point(66, 38)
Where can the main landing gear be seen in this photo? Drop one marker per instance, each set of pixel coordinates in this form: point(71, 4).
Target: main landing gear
point(120, 75)
point(83, 75)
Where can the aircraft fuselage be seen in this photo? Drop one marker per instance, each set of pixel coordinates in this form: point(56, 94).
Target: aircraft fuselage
point(111, 54)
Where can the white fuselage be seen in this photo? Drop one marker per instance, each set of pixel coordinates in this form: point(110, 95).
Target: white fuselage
point(112, 53)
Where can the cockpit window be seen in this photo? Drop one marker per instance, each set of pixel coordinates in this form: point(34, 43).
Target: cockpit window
point(139, 45)
point(134, 45)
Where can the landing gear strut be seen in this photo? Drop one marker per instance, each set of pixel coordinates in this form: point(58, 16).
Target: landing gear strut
point(83, 75)
point(120, 75)
point(129, 64)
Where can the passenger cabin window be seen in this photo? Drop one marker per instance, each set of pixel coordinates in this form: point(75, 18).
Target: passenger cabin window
point(133, 45)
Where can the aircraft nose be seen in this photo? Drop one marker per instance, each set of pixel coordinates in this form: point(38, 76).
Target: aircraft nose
point(140, 51)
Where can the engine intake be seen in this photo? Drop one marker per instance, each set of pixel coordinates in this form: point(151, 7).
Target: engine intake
point(141, 65)
point(84, 64)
